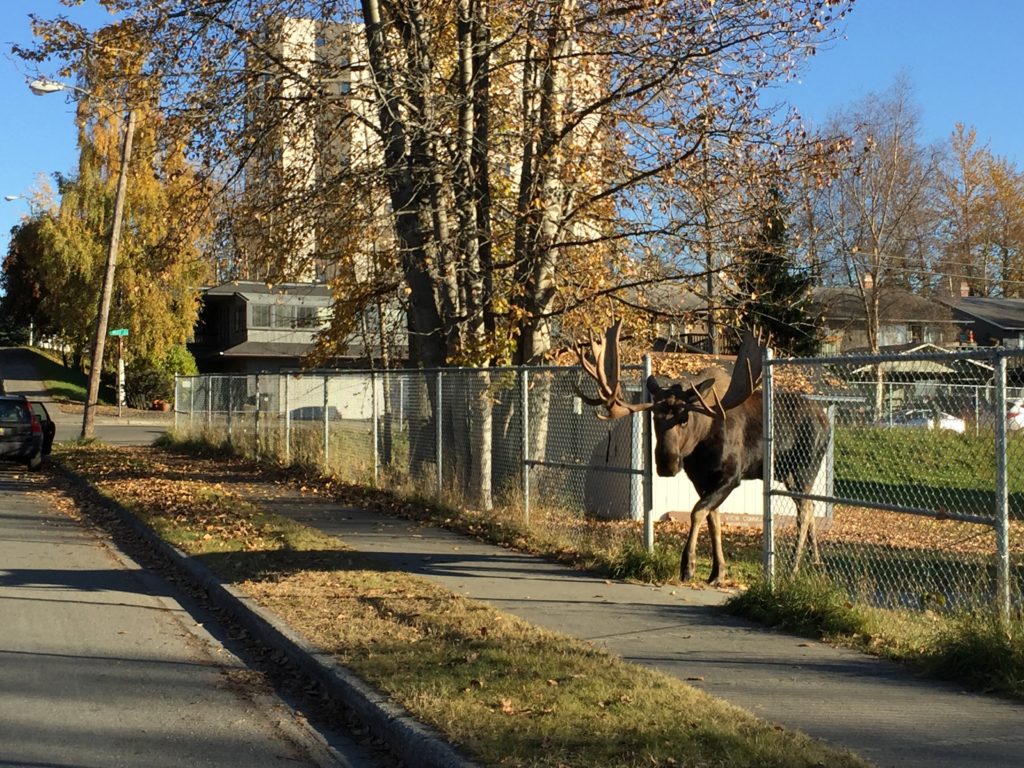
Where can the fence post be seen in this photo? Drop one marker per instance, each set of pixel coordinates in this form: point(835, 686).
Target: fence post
point(376, 416)
point(177, 399)
point(830, 459)
point(256, 418)
point(1002, 510)
point(327, 429)
point(646, 478)
point(401, 402)
point(209, 402)
point(439, 434)
point(231, 381)
point(524, 420)
point(768, 417)
point(287, 424)
point(192, 402)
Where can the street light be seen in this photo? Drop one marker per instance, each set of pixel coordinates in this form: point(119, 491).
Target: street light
point(43, 87)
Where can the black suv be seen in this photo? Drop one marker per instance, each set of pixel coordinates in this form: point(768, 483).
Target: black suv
point(26, 430)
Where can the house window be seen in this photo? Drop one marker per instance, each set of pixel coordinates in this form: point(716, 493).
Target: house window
point(261, 316)
point(238, 321)
point(306, 317)
point(284, 316)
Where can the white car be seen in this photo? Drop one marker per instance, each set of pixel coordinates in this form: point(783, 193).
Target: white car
point(929, 419)
point(1015, 416)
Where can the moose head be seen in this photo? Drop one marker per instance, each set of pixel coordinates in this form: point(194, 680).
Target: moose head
point(713, 429)
point(683, 413)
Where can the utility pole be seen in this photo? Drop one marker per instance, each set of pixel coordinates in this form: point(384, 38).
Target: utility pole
point(107, 292)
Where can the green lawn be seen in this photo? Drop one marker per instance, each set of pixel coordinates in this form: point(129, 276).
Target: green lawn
point(926, 468)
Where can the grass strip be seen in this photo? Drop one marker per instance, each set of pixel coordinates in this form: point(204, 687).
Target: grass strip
point(503, 691)
point(977, 648)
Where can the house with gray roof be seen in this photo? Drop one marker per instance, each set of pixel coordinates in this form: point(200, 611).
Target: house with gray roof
point(991, 321)
point(251, 327)
point(906, 320)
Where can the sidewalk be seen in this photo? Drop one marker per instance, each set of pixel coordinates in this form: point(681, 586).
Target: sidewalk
point(101, 665)
point(873, 707)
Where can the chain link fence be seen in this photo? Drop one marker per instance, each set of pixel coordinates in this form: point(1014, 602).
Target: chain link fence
point(907, 470)
point(514, 444)
point(927, 504)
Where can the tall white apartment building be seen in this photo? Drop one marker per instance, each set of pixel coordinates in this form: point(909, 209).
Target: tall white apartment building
point(311, 116)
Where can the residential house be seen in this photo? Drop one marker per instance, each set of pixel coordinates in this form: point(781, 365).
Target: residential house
point(906, 320)
point(989, 321)
point(250, 327)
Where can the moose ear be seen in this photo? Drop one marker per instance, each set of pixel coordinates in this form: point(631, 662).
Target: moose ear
point(705, 386)
point(653, 386)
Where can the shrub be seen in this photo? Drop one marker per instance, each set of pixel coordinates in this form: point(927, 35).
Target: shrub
point(146, 382)
point(179, 361)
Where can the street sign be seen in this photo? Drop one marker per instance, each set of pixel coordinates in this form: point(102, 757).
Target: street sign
point(119, 332)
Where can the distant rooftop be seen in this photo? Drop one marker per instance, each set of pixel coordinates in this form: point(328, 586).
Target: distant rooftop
point(1007, 314)
point(253, 287)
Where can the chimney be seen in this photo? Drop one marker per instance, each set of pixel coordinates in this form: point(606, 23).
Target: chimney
point(869, 281)
point(965, 289)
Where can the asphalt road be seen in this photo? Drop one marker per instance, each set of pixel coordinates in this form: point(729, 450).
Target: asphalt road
point(110, 430)
point(19, 377)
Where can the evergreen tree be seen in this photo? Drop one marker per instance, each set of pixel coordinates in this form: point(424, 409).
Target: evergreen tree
point(773, 294)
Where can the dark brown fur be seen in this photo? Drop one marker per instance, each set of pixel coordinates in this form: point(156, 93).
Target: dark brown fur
point(718, 452)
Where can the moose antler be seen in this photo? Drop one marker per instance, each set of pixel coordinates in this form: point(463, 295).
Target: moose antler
point(604, 369)
point(746, 375)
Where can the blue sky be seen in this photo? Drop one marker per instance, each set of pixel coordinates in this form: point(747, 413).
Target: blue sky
point(963, 60)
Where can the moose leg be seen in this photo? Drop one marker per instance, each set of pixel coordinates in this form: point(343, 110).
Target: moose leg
point(717, 554)
point(689, 558)
point(707, 503)
point(805, 521)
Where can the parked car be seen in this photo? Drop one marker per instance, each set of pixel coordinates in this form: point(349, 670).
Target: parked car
point(314, 413)
point(1015, 416)
point(26, 430)
point(928, 419)
point(48, 425)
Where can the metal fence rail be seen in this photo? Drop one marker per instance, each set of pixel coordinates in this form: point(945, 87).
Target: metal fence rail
point(919, 502)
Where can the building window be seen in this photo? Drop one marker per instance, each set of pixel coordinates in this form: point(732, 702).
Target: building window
point(284, 316)
point(261, 316)
point(306, 317)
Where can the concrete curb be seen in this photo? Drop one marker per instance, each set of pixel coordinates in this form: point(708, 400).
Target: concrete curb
point(414, 742)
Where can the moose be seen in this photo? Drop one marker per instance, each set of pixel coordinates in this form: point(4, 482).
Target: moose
point(713, 430)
